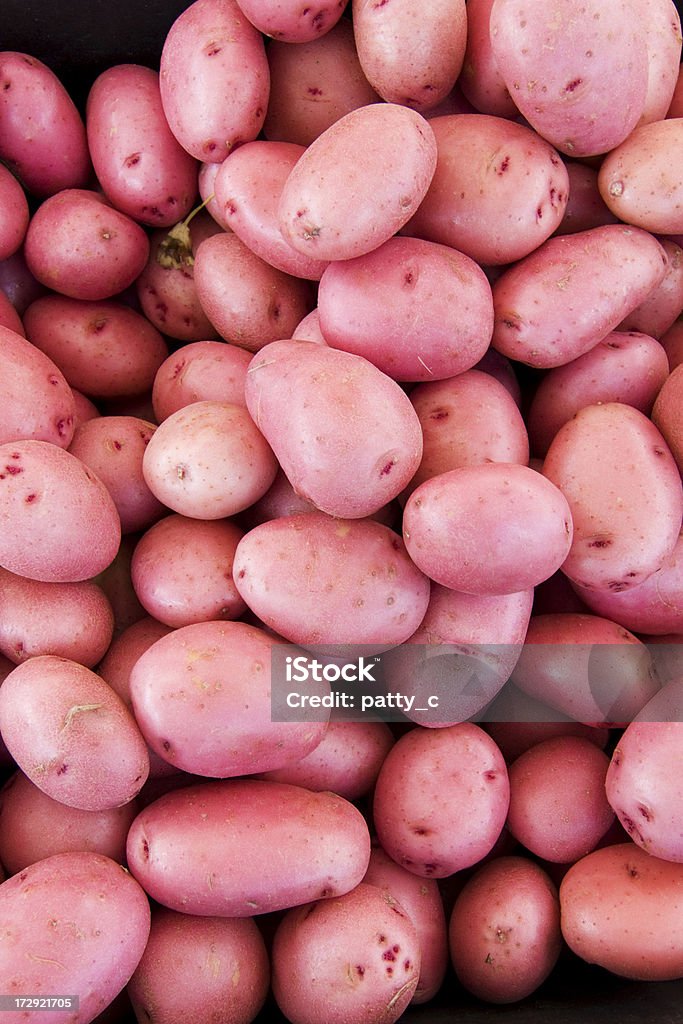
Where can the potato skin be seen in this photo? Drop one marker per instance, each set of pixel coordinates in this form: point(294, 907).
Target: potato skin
point(200, 849)
point(202, 371)
point(67, 897)
point(14, 213)
point(652, 153)
point(35, 399)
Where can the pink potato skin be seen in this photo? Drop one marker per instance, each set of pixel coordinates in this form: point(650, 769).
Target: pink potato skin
point(313, 85)
point(349, 450)
point(504, 930)
point(195, 968)
point(34, 826)
point(498, 191)
point(503, 530)
point(142, 168)
point(672, 343)
point(603, 894)
point(60, 524)
point(585, 207)
point(214, 79)
point(417, 310)
point(182, 570)
point(43, 136)
point(480, 80)
point(441, 799)
point(624, 491)
point(409, 58)
point(72, 735)
point(664, 41)
point(70, 620)
point(208, 461)
point(14, 213)
point(421, 899)
point(223, 827)
point(666, 414)
point(555, 65)
point(126, 647)
point(515, 737)
point(249, 302)
point(662, 307)
point(202, 371)
point(319, 580)
point(66, 897)
point(355, 957)
point(35, 399)
point(9, 318)
point(629, 368)
point(91, 342)
point(332, 214)
point(286, 21)
point(651, 153)
point(78, 245)
point(571, 292)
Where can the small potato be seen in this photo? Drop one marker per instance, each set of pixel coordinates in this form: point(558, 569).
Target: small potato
point(14, 213)
point(204, 371)
point(585, 207)
point(208, 461)
point(346, 960)
point(35, 399)
point(672, 343)
point(515, 737)
point(480, 80)
point(653, 152)
point(18, 283)
point(9, 318)
point(124, 651)
point(504, 930)
point(72, 735)
point(666, 414)
point(288, 22)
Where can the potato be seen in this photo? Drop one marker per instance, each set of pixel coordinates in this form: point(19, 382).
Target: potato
point(664, 41)
point(441, 799)
point(666, 414)
point(194, 967)
point(585, 207)
point(68, 898)
point(330, 214)
point(368, 306)
point(604, 894)
point(411, 58)
point(9, 318)
point(498, 191)
point(78, 245)
point(142, 168)
point(214, 79)
point(626, 507)
point(322, 841)
point(288, 22)
point(14, 213)
point(319, 580)
point(199, 372)
point(572, 291)
point(660, 309)
point(346, 960)
point(60, 524)
point(43, 135)
point(35, 399)
point(504, 930)
point(90, 342)
point(70, 620)
point(515, 737)
point(202, 698)
point(555, 66)
point(492, 529)
point(480, 80)
point(124, 651)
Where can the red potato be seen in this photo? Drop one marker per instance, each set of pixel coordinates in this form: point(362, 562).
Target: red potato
point(214, 79)
point(480, 80)
point(495, 208)
point(408, 57)
point(348, 450)
point(417, 310)
point(663, 305)
point(286, 21)
point(421, 899)
point(653, 152)
point(116, 582)
point(313, 85)
point(18, 283)
point(676, 105)
point(194, 967)
point(504, 531)
point(203, 371)
point(68, 897)
point(205, 180)
point(672, 343)
point(248, 187)
point(85, 409)
point(279, 500)
point(142, 168)
point(555, 65)
point(353, 958)
point(629, 368)
point(626, 507)
point(248, 301)
point(182, 571)
point(441, 799)
point(318, 580)
point(585, 207)
point(322, 841)
point(69, 620)
point(358, 182)
point(60, 524)
point(515, 737)
point(72, 735)
point(666, 414)
point(605, 893)
point(124, 651)
point(34, 826)
point(208, 461)
point(504, 930)
point(35, 399)
point(78, 245)
point(309, 328)
point(9, 318)
point(663, 35)
point(166, 290)
point(92, 343)
point(572, 291)
point(586, 667)
point(14, 214)
point(502, 368)
point(43, 136)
